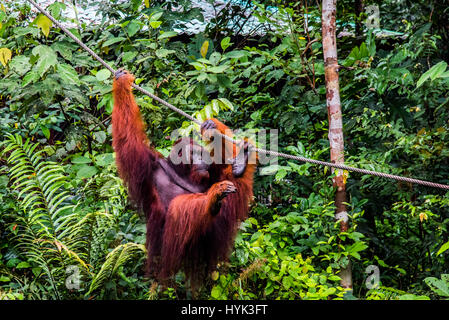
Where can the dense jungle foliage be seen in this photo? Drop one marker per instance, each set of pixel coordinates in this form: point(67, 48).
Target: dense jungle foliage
point(67, 229)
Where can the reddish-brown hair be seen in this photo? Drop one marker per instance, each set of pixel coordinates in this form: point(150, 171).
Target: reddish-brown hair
point(187, 235)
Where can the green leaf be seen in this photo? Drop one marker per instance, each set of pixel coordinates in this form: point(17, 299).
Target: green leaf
point(276, 74)
point(215, 106)
point(443, 248)
point(132, 28)
point(4, 278)
point(269, 170)
point(4, 180)
point(226, 104)
point(432, 73)
point(280, 174)
point(30, 77)
point(215, 58)
point(410, 296)
point(440, 287)
point(218, 69)
point(128, 56)
point(287, 282)
point(202, 77)
point(100, 136)
point(162, 53)
point(103, 75)
point(438, 69)
point(156, 16)
point(86, 172)
point(155, 24)
point(113, 40)
point(81, 159)
point(47, 58)
point(225, 43)
point(64, 48)
point(216, 292)
point(68, 74)
point(444, 75)
point(114, 260)
point(45, 131)
point(198, 66)
point(104, 160)
point(237, 54)
point(20, 65)
point(12, 262)
point(167, 34)
point(23, 265)
point(224, 81)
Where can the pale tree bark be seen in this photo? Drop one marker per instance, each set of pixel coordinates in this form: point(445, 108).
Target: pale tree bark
point(328, 21)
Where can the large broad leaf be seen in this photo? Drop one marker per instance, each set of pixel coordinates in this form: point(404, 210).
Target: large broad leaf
point(269, 170)
point(440, 287)
point(129, 55)
point(167, 34)
point(112, 41)
point(162, 53)
point(5, 56)
point(237, 54)
point(48, 88)
point(47, 58)
point(81, 160)
point(20, 65)
point(56, 8)
point(68, 74)
point(215, 58)
point(44, 24)
point(226, 104)
point(132, 28)
point(86, 172)
point(433, 73)
point(104, 159)
point(100, 136)
point(30, 77)
point(65, 49)
point(218, 69)
point(443, 248)
point(103, 74)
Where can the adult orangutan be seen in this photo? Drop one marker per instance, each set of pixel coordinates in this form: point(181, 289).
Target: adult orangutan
point(192, 210)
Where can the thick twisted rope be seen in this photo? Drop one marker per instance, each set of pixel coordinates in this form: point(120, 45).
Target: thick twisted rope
point(345, 167)
point(253, 149)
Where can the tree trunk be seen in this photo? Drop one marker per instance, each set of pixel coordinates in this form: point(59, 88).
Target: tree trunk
point(336, 141)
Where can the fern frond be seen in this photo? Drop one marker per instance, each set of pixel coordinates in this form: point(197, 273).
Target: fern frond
point(48, 222)
point(114, 260)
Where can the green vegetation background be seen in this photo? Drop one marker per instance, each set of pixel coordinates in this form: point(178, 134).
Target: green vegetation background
point(64, 214)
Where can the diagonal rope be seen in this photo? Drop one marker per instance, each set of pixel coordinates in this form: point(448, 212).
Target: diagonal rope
point(268, 152)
